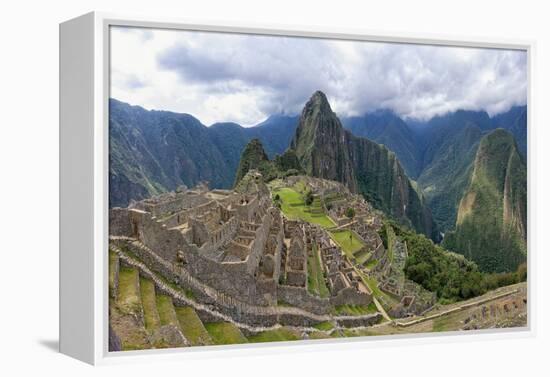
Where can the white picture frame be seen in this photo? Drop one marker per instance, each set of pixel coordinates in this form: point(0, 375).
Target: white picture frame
point(84, 95)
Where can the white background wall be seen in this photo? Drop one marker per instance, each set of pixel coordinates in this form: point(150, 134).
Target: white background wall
point(29, 184)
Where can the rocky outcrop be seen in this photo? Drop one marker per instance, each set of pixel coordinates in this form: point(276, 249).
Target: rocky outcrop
point(326, 150)
point(252, 157)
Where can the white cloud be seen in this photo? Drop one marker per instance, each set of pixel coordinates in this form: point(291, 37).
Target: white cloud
point(244, 78)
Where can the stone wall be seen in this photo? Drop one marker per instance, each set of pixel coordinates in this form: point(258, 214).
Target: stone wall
point(237, 279)
point(119, 222)
point(351, 296)
point(246, 211)
point(301, 298)
point(156, 235)
point(366, 320)
point(184, 215)
point(222, 235)
point(180, 202)
point(258, 245)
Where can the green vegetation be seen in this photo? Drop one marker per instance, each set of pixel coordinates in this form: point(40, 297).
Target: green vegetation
point(320, 335)
point(192, 327)
point(324, 326)
point(448, 171)
point(167, 313)
point(362, 256)
point(348, 241)
point(279, 335)
point(287, 163)
point(315, 278)
point(293, 206)
point(355, 309)
point(451, 276)
point(350, 212)
point(254, 157)
point(388, 237)
point(371, 264)
point(148, 299)
point(225, 333)
point(492, 216)
point(113, 260)
point(128, 299)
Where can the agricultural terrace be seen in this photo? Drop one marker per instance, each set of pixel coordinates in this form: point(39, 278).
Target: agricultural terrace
point(348, 242)
point(294, 207)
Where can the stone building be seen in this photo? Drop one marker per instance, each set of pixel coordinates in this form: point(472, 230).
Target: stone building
point(238, 244)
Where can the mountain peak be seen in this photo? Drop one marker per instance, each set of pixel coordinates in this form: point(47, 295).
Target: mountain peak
point(252, 157)
point(326, 150)
point(318, 101)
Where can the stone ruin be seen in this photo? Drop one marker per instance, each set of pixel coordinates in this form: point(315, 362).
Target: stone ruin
point(237, 244)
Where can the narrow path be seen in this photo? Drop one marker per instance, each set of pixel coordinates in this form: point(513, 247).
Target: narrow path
point(381, 309)
point(456, 309)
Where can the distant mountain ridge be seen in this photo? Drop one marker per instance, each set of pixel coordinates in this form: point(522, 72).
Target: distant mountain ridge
point(439, 153)
point(387, 128)
point(156, 151)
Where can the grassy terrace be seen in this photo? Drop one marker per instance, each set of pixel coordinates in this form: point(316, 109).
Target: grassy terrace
point(278, 335)
point(362, 256)
point(325, 326)
point(225, 333)
point(113, 260)
point(315, 278)
point(128, 300)
point(356, 309)
point(166, 311)
point(348, 241)
point(294, 207)
point(149, 301)
point(192, 327)
point(371, 264)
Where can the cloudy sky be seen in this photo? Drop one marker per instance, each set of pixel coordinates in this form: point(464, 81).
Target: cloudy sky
point(245, 78)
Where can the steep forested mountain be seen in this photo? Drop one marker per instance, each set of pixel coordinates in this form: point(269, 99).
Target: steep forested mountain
point(439, 153)
point(255, 157)
point(449, 144)
point(491, 225)
point(327, 150)
point(385, 127)
point(155, 151)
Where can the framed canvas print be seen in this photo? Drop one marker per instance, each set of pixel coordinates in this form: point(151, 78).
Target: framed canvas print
point(224, 186)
